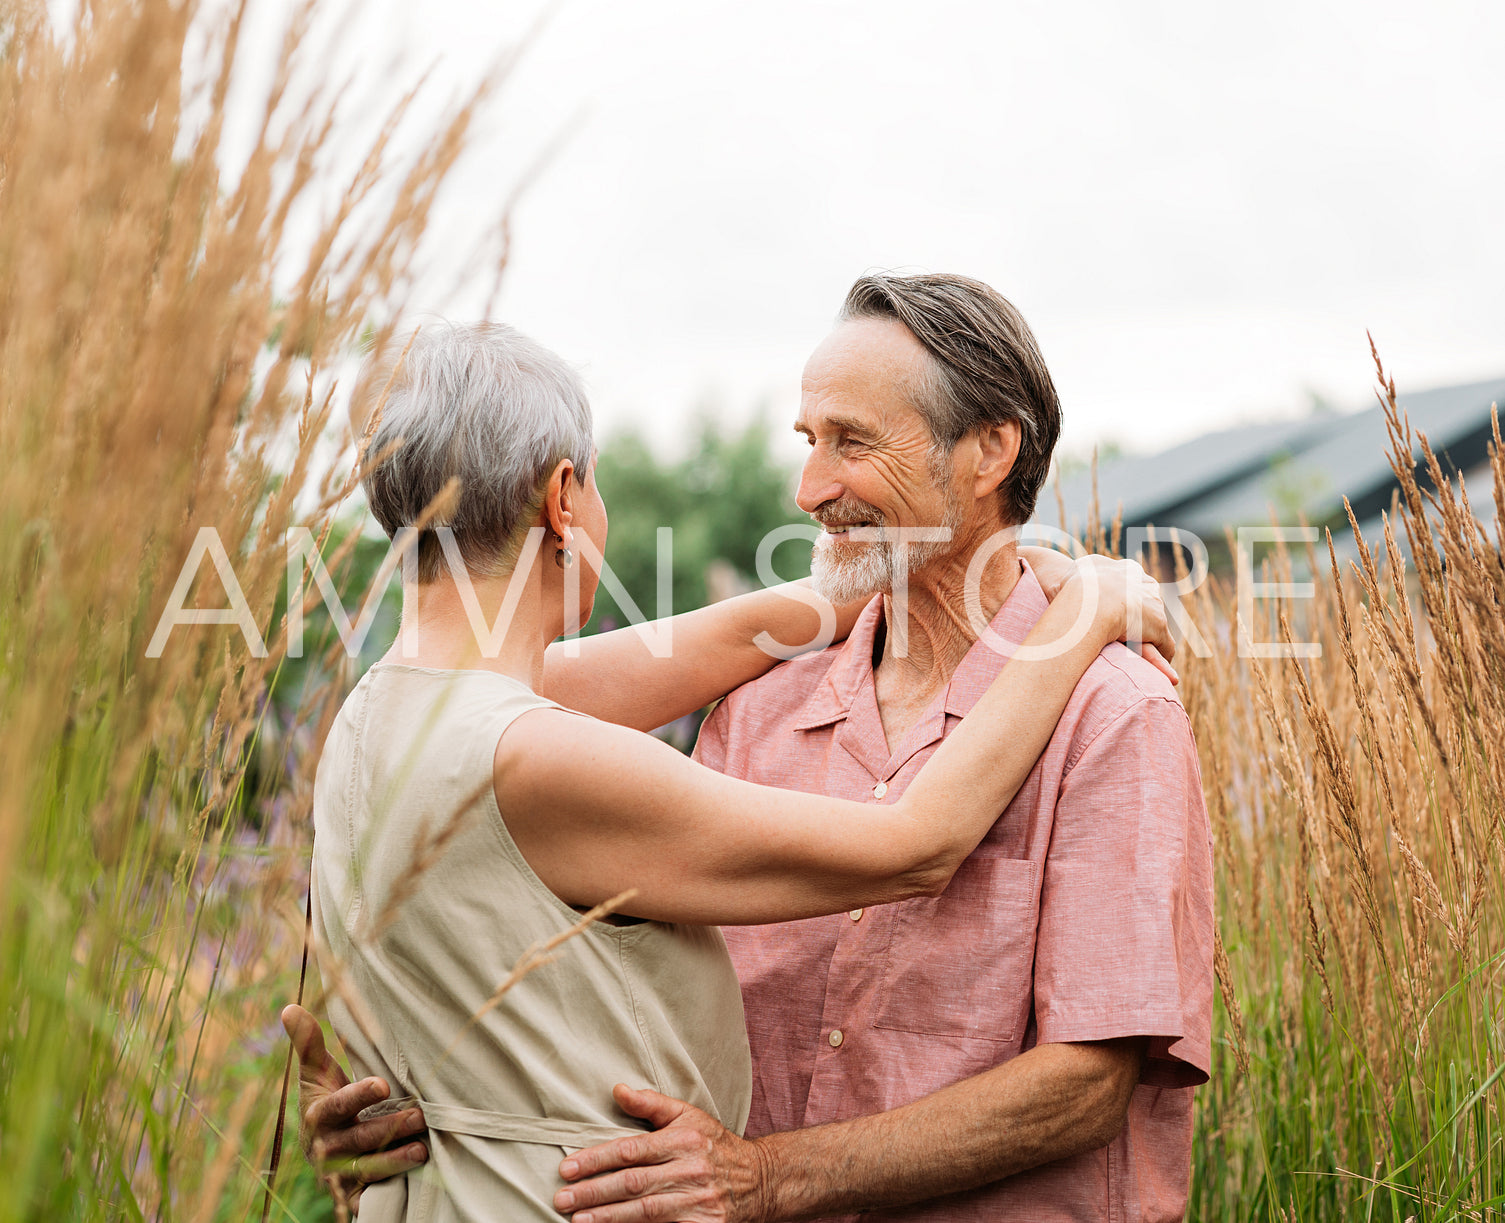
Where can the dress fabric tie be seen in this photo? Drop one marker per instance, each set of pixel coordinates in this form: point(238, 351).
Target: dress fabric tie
point(506, 1127)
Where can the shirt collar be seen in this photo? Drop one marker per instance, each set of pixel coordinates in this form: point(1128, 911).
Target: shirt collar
point(991, 652)
point(833, 696)
point(853, 665)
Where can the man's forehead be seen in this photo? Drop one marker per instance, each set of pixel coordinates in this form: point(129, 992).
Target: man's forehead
point(861, 374)
point(866, 351)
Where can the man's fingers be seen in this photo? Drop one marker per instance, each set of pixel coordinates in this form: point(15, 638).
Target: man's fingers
point(659, 1209)
point(339, 1108)
point(654, 1208)
point(658, 1110)
point(369, 1137)
point(621, 1186)
point(381, 1165)
point(656, 1148)
point(635, 1197)
point(307, 1037)
point(316, 1069)
point(675, 1179)
point(382, 1132)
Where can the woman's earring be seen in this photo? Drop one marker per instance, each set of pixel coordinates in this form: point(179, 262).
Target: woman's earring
point(563, 557)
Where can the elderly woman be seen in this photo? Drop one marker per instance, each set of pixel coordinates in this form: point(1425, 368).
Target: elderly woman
point(480, 789)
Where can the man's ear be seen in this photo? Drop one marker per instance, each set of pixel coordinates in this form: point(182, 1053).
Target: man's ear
point(558, 513)
point(997, 450)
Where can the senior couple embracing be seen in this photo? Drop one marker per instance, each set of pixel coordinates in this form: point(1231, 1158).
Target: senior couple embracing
point(923, 931)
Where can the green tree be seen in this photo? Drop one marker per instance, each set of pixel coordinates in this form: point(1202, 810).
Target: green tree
point(720, 500)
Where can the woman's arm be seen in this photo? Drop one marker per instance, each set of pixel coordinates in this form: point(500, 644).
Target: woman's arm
point(616, 676)
point(596, 809)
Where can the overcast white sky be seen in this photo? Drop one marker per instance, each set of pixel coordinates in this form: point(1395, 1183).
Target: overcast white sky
point(1199, 207)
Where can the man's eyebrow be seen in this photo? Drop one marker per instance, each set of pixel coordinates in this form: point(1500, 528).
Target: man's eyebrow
point(846, 424)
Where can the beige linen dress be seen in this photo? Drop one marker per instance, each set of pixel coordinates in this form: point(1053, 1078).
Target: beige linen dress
point(409, 954)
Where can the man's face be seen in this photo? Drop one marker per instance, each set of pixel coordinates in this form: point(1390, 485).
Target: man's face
point(870, 459)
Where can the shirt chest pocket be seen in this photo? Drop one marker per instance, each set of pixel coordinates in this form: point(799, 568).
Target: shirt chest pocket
point(961, 964)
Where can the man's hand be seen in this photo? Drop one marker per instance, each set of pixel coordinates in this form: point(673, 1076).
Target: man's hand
point(348, 1154)
point(691, 1169)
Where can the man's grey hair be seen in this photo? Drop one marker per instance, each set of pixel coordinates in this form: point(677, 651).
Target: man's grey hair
point(985, 369)
point(482, 403)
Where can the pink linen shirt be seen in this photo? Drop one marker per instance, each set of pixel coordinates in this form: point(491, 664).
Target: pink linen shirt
point(1085, 914)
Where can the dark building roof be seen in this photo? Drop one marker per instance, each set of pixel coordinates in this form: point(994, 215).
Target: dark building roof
point(1244, 476)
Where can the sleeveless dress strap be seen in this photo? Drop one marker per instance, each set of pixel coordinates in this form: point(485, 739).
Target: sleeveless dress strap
point(507, 1127)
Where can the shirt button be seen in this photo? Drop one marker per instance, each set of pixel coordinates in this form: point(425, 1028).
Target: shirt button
point(835, 1037)
point(855, 914)
point(880, 789)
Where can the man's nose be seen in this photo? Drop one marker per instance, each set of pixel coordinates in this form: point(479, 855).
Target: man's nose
point(818, 483)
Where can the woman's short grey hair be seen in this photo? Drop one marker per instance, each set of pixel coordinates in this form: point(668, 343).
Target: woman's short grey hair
point(482, 403)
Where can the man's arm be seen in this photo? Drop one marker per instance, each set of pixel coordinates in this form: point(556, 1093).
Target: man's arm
point(1049, 1103)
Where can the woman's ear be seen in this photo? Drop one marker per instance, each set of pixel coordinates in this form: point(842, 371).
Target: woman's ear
point(997, 449)
point(558, 514)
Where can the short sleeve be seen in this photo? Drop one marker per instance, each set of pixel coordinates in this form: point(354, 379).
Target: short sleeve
point(1126, 916)
point(710, 744)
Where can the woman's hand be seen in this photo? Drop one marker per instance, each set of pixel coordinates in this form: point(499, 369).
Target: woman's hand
point(1052, 569)
point(1121, 589)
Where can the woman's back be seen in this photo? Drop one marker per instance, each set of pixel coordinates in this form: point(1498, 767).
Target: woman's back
point(421, 906)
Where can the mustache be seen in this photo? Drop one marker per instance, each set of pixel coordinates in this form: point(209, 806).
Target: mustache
point(847, 512)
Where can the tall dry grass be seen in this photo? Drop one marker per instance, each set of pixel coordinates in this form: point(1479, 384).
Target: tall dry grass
point(162, 335)
point(1357, 802)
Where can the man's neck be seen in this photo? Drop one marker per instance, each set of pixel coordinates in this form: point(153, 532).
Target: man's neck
point(928, 633)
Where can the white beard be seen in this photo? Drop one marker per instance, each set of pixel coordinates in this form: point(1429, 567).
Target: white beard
point(866, 569)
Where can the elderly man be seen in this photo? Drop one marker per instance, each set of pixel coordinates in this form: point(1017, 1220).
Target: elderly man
point(1024, 1046)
